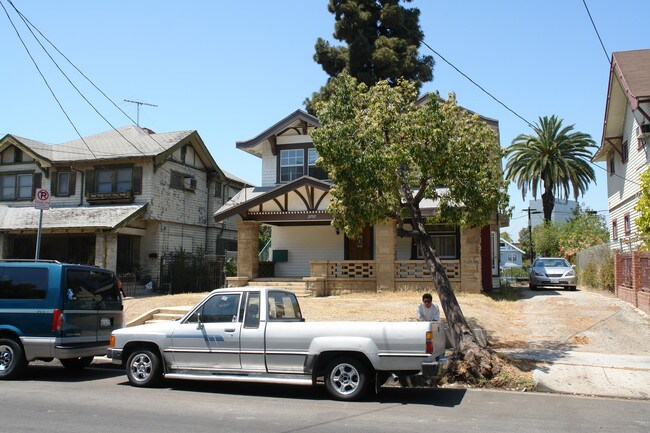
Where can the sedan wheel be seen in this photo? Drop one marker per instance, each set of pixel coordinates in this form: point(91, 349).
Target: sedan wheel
point(143, 368)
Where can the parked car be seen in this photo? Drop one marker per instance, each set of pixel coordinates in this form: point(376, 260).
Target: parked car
point(55, 310)
point(552, 272)
point(258, 334)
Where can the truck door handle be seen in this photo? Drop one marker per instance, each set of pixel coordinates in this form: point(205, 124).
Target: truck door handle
point(230, 330)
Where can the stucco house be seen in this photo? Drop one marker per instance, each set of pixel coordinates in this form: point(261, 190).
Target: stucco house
point(120, 199)
point(625, 142)
point(293, 200)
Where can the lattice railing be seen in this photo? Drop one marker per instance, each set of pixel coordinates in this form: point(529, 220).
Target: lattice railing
point(419, 269)
point(351, 269)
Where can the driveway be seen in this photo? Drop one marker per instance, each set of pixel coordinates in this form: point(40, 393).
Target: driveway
point(587, 343)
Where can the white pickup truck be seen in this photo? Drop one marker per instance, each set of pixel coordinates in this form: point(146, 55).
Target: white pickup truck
point(258, 334)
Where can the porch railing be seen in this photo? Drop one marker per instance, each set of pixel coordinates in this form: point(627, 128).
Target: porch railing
point(419, 270)
point(404, 269)
point(351, 269)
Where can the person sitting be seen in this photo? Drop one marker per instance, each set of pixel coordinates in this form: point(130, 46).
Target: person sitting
point(427, 311)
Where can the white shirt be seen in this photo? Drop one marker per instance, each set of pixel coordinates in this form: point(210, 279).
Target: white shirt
point(430, 314)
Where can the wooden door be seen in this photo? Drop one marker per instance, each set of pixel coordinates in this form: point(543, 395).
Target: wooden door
point(361, 247)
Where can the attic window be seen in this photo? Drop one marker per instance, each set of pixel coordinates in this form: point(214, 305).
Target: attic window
point(624, 152)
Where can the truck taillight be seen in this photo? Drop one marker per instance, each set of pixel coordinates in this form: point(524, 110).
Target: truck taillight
point(429, 342)
point(57, 320)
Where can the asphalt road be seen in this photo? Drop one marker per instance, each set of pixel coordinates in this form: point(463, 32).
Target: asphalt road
point(99, 399)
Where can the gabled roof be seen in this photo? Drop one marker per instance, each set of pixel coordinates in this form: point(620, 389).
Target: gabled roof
point(629, 83)
point(512, 246)
point(297, 120)
point(305, 195)
point(126, 142)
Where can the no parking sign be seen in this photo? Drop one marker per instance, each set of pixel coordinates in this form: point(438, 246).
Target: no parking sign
point(42, 199)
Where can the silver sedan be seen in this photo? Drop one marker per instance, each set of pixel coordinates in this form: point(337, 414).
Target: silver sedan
point(552, 272)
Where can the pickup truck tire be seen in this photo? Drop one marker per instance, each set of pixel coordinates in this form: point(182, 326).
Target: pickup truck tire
point(77, 363)
point(346, 379)
point(143, 368)
point(12, 359)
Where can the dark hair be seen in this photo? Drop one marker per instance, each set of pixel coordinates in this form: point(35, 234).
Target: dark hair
point(427, 296)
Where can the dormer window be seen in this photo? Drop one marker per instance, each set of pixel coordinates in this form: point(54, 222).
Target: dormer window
point(292, 163)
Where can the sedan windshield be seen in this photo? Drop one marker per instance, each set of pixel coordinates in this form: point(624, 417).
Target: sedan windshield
point(551, 263)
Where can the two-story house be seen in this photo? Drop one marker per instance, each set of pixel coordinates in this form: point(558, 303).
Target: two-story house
point(293, 200)
point(625, 144)
point(121, 199)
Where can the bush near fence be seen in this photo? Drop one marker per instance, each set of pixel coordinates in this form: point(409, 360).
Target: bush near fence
point(595, 267)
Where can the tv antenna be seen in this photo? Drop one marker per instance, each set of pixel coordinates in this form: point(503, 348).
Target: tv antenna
point(139, 103)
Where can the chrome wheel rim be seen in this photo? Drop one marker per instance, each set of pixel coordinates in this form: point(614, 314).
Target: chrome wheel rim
point(6, 357)
point(141, 366)
point(345, 378)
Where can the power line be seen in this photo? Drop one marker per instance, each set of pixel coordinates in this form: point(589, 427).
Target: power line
point(584, 2)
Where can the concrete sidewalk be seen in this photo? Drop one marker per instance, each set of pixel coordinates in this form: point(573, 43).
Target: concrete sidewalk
point(607, 375)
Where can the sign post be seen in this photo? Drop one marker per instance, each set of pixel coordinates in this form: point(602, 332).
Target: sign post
point(41, 202)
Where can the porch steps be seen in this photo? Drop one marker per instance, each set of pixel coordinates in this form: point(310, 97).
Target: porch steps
point(296, 285)
point(162, 314)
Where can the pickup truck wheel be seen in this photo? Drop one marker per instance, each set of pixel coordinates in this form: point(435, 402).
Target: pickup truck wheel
point(143, 368)
point(346, 379)
point(77, 363)
point(12, 359)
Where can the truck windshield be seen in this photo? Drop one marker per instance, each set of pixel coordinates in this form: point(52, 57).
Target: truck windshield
point(283, 306)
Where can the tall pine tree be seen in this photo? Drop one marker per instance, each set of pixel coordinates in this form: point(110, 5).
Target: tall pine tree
point(382, 40)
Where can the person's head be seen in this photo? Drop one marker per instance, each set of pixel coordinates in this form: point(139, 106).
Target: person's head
point(427, 299)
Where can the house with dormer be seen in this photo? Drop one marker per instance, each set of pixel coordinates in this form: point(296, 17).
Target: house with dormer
point(121, 199)
point(293, 200)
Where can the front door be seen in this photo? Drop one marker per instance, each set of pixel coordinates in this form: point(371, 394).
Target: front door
point(361, 247)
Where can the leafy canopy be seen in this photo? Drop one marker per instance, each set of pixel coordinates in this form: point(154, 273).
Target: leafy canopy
point(643, 207)
point(375, 140)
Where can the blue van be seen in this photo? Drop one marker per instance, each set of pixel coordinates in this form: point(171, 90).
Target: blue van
point(55, 310)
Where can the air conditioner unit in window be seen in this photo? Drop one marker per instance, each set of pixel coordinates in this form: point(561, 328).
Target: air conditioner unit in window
point(644, 130)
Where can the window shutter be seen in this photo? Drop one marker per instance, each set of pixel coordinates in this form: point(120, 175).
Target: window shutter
point(71, 182)
point(54, 184)
point(36, 183)
point(90, 181)
point(137, 180)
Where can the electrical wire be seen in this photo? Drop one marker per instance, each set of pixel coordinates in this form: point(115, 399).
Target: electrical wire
point(584, 2)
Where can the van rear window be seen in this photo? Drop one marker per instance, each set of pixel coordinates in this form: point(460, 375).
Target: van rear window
point(23, 283)
point(87, 288)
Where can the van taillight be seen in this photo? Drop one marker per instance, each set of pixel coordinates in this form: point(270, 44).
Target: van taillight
point(429, 342)
point(57, 320)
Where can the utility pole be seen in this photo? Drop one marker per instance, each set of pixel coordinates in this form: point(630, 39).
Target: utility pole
point(139, 103)
point(531, 211)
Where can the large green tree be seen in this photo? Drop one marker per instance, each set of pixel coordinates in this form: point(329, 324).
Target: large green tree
point(381, 39)
point(385, 155)
point(585, 229)
point(555, 159)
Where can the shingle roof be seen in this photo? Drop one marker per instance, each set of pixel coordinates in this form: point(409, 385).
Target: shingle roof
point(635, 68)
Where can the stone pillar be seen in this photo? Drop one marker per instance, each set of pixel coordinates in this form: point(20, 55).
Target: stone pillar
point(106, 251)
point(385, 248)
point(470, 260)
point(248, 234)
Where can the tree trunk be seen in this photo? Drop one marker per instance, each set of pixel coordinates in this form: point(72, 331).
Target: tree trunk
point(548, 203)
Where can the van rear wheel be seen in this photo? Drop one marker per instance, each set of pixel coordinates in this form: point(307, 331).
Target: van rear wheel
point(77, 363)
point(12, 359)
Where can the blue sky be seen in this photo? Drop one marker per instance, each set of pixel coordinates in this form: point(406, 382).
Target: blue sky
point(231, 69)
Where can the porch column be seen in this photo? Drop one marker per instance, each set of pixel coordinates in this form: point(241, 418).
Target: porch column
point(106, 251)
point(248, 235)
point(386, 244)
point(470, 260)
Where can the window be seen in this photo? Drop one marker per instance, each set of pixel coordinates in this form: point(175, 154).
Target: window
point(291, 164)
point(445, 241)
point(512, 257)
point(218, 309)
point(612, 171)
point(63, 183)
point(23, 283)
point(88, 290)
point(314, 171)
point(218, 189)
point(176, 180)
point(627, 227)
point(115, 180)
point(614, 230)
point(624, 152)
point(16, 186)
point(252, 317)
point(283, 306)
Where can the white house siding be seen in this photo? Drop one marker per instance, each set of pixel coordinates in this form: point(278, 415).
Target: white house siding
point(624, 186)
point(304, 244)
point(403, 247)
point(268, 167)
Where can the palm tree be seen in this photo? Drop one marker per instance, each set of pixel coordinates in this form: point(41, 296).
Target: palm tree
point(555, 156)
